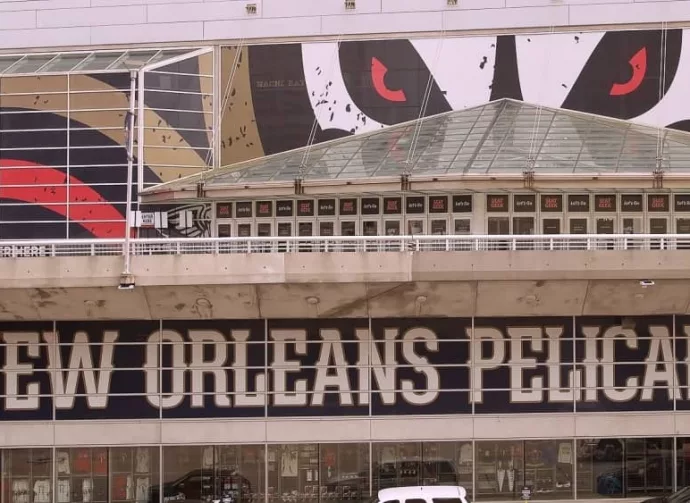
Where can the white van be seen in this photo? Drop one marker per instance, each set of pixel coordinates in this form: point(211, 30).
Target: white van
point(423, 494)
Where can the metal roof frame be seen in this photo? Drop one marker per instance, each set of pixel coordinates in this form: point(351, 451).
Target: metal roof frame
point(84, 61)
point(487, 142)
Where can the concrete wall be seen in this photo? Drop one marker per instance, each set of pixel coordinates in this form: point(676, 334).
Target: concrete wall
point(51, 23)
point(521, 283)
point(352, 429)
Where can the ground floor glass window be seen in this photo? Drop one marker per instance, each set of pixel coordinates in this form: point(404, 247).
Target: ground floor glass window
point(624, 468)
point(511, 470)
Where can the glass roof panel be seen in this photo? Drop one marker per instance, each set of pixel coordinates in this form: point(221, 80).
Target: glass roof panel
point(64, 62)
point(6, 62)
point(134, 60)
point(504, 136)
point(98, 61)
point(29, 64)
point(85, 61)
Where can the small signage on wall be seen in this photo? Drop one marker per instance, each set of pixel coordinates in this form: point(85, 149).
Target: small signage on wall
point(326, 207)
point(497, 203)
point(264, 209)
point(524, 203)
point(438, 204)
point(552, 203)
point(392, 205)
point(605, 202)
point(414, 205)
point(348, 207)
point(243, 209)
point(305, 208)
point(658, 202)
point(631, 203)
point(462, 204)
point(285, 208)
point(148, 219)
point(224, 210)
point(578, 203)
point(370, 206)
point(682, 202)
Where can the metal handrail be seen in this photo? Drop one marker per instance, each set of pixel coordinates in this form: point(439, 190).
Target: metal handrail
point(335, 244)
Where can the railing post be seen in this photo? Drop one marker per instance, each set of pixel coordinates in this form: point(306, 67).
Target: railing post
point(93, 250)
point(178, 247)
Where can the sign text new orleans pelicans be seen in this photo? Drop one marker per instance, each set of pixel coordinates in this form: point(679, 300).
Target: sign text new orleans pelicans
point(342, 367)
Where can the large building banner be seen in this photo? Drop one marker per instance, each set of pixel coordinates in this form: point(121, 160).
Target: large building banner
point(342, 367)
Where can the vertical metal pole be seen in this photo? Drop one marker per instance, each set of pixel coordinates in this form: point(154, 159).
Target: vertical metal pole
point(217, 106)
point(140, 131)
point(130, 169)
point(68, 183)
point(676, 386)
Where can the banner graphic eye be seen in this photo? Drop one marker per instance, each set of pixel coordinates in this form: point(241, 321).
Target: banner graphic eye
point(639, 67)
point(378, 76)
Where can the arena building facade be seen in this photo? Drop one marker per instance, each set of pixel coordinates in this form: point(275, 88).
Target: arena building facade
point(262, 251)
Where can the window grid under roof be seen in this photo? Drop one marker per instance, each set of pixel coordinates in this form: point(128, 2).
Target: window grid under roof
point(499, 137)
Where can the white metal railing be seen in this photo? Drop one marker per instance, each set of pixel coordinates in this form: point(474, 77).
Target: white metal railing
point(340, 244)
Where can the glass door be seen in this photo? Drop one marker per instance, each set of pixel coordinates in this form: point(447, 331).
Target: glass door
point(283, 229)
point(326, 229)
point(498, 226)
point(439, 227)
point(392, 228)
point(264, 229)
point(605, 225)
point(658, 225)
point(305, 228)
point(348, 228)
point(632, 225)
point(551, 225)
point(683, 227)
point(462, 227)
point(224, 229)
point(578, 225)
point(523, 226)
point(244, 230)
point(370, 228)
point(416, 225)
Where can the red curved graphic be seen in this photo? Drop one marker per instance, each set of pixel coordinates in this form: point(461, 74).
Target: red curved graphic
point(32, 183)
point(639, 65)
point(378, 76)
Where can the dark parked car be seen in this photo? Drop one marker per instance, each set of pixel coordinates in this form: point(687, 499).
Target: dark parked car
point(201, 486)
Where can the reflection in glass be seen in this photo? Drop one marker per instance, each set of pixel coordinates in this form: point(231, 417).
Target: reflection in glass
point(499, 470)
point(624, 467)
point(27, 476)
point(134, 471)
point(293, 472)
point(206, 473)
point(683, 462)
point(429, 463)
point(344, 472)
point(82, 474)
point(507, 470)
